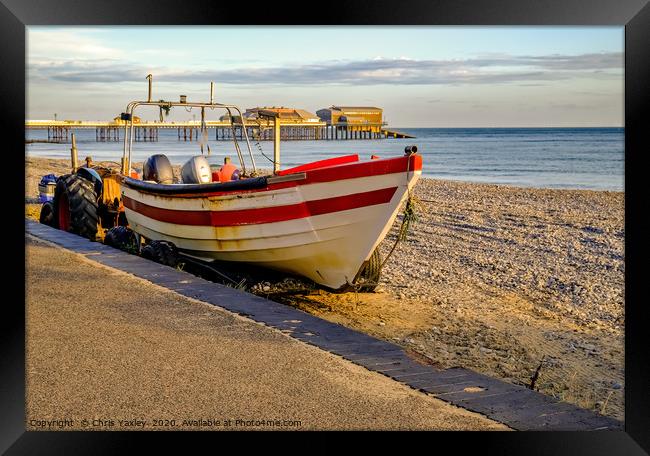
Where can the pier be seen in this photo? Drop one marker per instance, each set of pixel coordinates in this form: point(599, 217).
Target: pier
point(396, 134)
point(60, 131)
point(333, 123)
point(294, 125)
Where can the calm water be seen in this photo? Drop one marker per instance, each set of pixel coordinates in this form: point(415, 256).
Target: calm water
point(587, 158)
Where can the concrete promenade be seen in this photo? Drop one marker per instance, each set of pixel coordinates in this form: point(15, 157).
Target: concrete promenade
point(108, 350)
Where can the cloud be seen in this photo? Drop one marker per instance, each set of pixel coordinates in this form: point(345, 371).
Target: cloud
point(401, 71)
point(44, 43)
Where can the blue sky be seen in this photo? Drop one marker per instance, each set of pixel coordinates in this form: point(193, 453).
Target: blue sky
point(421, 76)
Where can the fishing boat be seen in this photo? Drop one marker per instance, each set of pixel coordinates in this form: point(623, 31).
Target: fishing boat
point(322, 220)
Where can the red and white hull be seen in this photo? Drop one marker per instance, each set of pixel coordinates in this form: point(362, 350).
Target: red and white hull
point(321, 223)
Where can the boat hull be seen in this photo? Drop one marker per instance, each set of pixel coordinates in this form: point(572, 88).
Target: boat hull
point(322, 224)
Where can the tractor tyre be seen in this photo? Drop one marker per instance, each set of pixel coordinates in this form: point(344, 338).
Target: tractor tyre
point(47, 215)
point(370, 274)
point(75, 206)
point(162, 252)
point(123, 238)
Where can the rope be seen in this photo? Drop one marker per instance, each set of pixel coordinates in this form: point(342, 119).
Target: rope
point(409, 217)
point(257, 137)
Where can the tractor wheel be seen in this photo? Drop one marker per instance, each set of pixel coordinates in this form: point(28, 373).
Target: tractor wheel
point(47, 215)
point(75, 206)
point(162, 252)
point(369, 276)
point(123, 238)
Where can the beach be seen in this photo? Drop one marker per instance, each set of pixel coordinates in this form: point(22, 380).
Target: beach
point(504, 280)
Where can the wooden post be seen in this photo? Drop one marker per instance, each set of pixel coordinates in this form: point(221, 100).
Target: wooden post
point(73, 154)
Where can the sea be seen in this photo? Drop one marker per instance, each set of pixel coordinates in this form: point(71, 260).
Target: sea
point(566, 158)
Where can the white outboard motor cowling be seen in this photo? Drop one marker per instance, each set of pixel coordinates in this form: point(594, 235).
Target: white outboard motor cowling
point(196, 171)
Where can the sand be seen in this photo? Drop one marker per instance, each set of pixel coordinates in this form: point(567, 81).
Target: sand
point(497, 279)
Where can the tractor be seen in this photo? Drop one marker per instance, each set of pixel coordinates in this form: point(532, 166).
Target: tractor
point(88, 201)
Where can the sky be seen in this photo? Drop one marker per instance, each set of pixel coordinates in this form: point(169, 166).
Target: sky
point(421, 76)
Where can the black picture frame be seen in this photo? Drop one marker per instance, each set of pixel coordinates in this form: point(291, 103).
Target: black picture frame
point(15, 15)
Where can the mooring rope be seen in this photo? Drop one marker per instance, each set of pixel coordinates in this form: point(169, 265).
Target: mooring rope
point(410, 216)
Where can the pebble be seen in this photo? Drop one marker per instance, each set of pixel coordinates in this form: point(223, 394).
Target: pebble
point(458, 244)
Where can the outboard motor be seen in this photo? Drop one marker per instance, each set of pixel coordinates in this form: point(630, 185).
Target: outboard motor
point(196, 171)
point(157, 168)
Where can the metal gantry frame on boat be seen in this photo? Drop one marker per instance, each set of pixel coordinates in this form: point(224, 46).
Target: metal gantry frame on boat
point(128, 125)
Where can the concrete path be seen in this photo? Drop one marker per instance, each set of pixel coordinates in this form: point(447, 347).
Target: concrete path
point(107, 350)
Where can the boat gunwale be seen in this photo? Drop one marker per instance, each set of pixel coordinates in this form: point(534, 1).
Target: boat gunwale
point(267, 183)
point(252, 183)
